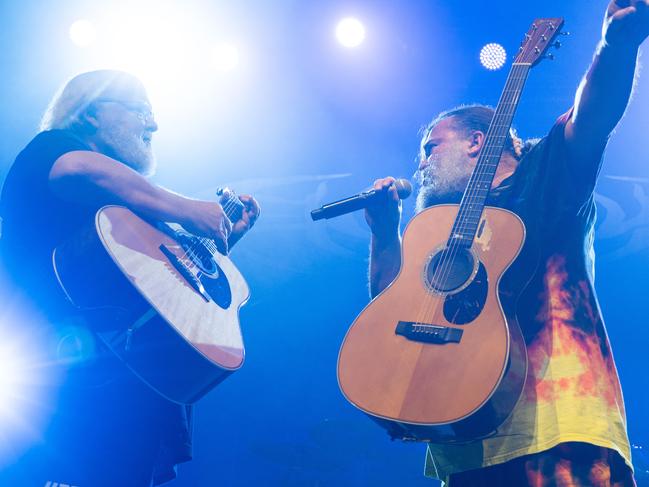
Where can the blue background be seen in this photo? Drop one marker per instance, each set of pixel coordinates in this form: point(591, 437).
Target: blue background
point(304, 122)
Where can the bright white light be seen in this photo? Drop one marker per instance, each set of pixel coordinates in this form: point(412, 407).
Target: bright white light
point(19, 376)
point(13, 371)
point(173, 51)
point(350, 32)
point(156, 49)
point(83, 33)
point(493, 56)
point(225, 57)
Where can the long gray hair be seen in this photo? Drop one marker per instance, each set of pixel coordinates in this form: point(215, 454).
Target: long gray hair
point(73, 98)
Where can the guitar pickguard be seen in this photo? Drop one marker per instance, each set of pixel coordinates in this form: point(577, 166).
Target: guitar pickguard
point(217, 287)
point(200, 268)
point(464, 307)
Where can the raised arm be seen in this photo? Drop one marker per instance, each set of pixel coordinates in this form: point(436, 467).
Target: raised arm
point(90, 178)
point(605, 91)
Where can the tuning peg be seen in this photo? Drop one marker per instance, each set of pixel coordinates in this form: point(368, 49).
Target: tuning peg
point(549, 56)
point(564, 33)
point(557, 44)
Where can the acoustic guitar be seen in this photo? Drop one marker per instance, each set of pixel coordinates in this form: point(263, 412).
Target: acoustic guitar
point(164, 301)
point(438, 356)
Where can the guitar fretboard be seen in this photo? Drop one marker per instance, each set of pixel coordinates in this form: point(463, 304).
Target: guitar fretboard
point(477, 191)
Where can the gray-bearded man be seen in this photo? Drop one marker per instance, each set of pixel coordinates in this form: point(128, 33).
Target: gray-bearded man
point(108, 428)
point(569, 426)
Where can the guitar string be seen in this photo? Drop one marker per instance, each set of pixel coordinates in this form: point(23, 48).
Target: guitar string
point(462, 223)
point(510, 97)
point(209, 243)
point(446, 256)
point(502, 120)
point(525, 66)
point(230, 204)
point(196, 242)
point(449, 253)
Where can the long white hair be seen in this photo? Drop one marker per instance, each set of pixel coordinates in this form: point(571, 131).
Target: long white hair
point(73, 98)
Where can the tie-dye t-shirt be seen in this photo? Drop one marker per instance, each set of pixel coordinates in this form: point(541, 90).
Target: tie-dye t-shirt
point(572, 390)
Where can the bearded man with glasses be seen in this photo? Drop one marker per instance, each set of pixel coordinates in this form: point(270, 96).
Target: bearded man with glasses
point(94, 149)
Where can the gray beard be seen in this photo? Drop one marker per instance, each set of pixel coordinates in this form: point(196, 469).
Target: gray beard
point(428, 196)
point(442, 182)
point(129, 149)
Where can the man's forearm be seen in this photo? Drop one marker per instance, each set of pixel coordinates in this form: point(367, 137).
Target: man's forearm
point(92, 179)
point(604, 93)
point(385, 262)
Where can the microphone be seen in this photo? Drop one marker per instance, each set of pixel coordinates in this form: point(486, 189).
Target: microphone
point(359, 201)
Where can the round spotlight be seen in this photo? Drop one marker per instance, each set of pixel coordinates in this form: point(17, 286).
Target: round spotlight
point(225, 57)
point(493, 56)
point(83, 33)
point(350, 32)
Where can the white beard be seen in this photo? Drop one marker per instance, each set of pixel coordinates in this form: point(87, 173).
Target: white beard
point(128, 148)
point(444, 179)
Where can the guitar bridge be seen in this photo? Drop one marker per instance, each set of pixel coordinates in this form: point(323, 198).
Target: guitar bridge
point(421, 332)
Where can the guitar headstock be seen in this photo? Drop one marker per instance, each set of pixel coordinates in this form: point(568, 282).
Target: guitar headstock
point(541, 36)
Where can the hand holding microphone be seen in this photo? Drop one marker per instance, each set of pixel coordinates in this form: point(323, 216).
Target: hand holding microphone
point(384, 190)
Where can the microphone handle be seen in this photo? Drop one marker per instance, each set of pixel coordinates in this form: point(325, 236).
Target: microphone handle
point(343, 206)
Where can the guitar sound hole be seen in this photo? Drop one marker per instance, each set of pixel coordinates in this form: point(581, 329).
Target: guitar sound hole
point(450, 269)
point(466, 305)
point(199, 254)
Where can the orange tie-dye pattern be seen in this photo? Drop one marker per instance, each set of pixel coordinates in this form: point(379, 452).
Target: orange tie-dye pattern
point(572, 392)
point(566, 357)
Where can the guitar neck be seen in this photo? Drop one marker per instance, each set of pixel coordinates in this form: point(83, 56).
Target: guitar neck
point(233, 208)
point(539, 38)
point(477, 191)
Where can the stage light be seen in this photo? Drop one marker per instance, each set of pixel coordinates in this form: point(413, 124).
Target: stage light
point(493, 56)
point(350, 32)
point(83, 33)
point(157, 50)
point(181, 55)
point(17, 378)
point(29, 379)
point(225, 57)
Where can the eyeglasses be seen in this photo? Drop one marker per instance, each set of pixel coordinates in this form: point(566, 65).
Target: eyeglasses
point(141, 109)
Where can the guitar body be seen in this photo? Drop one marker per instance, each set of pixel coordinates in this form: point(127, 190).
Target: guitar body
point(120, 272)
point(441, 366)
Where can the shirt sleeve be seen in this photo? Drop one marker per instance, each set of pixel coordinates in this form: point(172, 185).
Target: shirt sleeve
point(552, 182)
point(36, 160)
point(27, 183)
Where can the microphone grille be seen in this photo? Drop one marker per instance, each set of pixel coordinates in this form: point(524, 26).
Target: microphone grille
point(404, 188)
